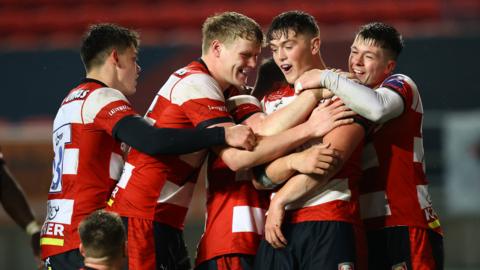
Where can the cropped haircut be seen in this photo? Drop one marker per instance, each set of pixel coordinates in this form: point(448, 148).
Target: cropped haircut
point(100, 39)
point(102, 235)
point(383, 35)
point(298, 21)
point(228, 26)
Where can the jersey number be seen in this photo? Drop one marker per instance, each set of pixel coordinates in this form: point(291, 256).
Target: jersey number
point(61, 136)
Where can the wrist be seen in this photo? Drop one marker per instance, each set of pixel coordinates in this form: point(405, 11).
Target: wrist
point(32, 228)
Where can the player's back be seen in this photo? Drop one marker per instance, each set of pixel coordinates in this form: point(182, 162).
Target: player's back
point(87, 162)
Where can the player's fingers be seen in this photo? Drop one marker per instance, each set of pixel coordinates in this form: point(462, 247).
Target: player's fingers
point(280, 239)
point(341, 122)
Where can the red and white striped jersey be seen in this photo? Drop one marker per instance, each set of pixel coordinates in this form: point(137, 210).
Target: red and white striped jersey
point(160, 187)
point(235, 212)
point(338, 200)
point(394, 190)
point(88, 161)
point(235, 209)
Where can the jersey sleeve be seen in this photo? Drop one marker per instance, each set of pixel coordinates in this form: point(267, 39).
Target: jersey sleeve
point(105, 107)
point(404, 86)
point(202, 100)
point(243, 106)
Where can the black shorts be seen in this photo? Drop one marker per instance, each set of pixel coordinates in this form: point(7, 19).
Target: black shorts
point(227, 262)
point(311, 245)
point(403, 247)
point(153, 245)
point(70, 260)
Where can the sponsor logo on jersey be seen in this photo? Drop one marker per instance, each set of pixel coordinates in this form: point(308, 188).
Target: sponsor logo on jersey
point(59, 211)
point(346, 266)
point(121, 108)
point(400, 266)
point(77, 94)
point(217, 108)
point(53, 229)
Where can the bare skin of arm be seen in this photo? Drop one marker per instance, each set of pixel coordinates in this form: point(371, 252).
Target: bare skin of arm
point(16, 205)
point(322, 120)
point(344, 139)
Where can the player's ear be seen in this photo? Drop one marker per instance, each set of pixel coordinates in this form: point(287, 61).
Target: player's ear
point(216, 47)
point(391, 64)
point(82, 249)
point(315, 45)
point(114, 56)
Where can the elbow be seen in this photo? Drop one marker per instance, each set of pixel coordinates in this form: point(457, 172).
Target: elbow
point(376, 114)
point(235, 164)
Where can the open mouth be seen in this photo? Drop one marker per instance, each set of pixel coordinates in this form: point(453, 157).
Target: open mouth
point(286, 67)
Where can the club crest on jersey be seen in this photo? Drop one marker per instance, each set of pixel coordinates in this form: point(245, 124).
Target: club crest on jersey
point(346, 266)
point(400, 266)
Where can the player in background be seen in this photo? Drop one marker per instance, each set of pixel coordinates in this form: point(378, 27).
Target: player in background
point(154, 193)
point(321, 229)
point(16, 205)
point(92, 121)
point(403, 230)
point(103, 241)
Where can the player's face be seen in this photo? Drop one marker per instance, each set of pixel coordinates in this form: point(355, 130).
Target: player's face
point(128, 71)
point(369, 62)
point(238, 59)
point(292, 54)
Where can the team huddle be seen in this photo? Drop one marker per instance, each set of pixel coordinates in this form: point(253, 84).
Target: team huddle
point(316, 168)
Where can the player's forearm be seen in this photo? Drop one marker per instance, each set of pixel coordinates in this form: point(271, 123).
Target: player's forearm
point(137, 133)
point(268, 148)
point(290, 115)
point(298, 187)
point(279, 170)
point(377, 106)
point(13, 199)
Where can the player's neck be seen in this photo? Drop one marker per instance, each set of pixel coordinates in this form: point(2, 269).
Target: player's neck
point(213, 68)
point(102, 264)
point(319, 63)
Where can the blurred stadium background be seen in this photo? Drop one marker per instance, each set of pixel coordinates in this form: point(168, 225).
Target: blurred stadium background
point(39, 63)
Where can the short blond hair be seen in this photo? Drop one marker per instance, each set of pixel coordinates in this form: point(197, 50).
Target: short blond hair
point(228, 26)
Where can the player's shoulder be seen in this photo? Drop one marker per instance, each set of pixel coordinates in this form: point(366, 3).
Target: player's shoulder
point(106, 94)
point(399, 78)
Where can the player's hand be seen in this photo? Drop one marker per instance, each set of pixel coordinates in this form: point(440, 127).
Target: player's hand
point(273, 225)
point(329, 115)
point(240, 136)
point(318, 159)
point(319, 93)
point(35, 243)
point(308, 80)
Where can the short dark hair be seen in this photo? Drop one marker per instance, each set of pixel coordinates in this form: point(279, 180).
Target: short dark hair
point(102, 235)
point(101, 39)
point(384, 35)
point(298, 21)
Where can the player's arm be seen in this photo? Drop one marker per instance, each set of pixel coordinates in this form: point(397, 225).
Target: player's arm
point(16, 205)
point(295, 113)
point(318, 160)
point(378, 106)
point(139, 134)
point(321, 121)
point(344, 139)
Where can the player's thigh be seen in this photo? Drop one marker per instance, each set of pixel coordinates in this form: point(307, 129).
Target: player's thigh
point(170, 249)
point(269, 258)
point(324, 245)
